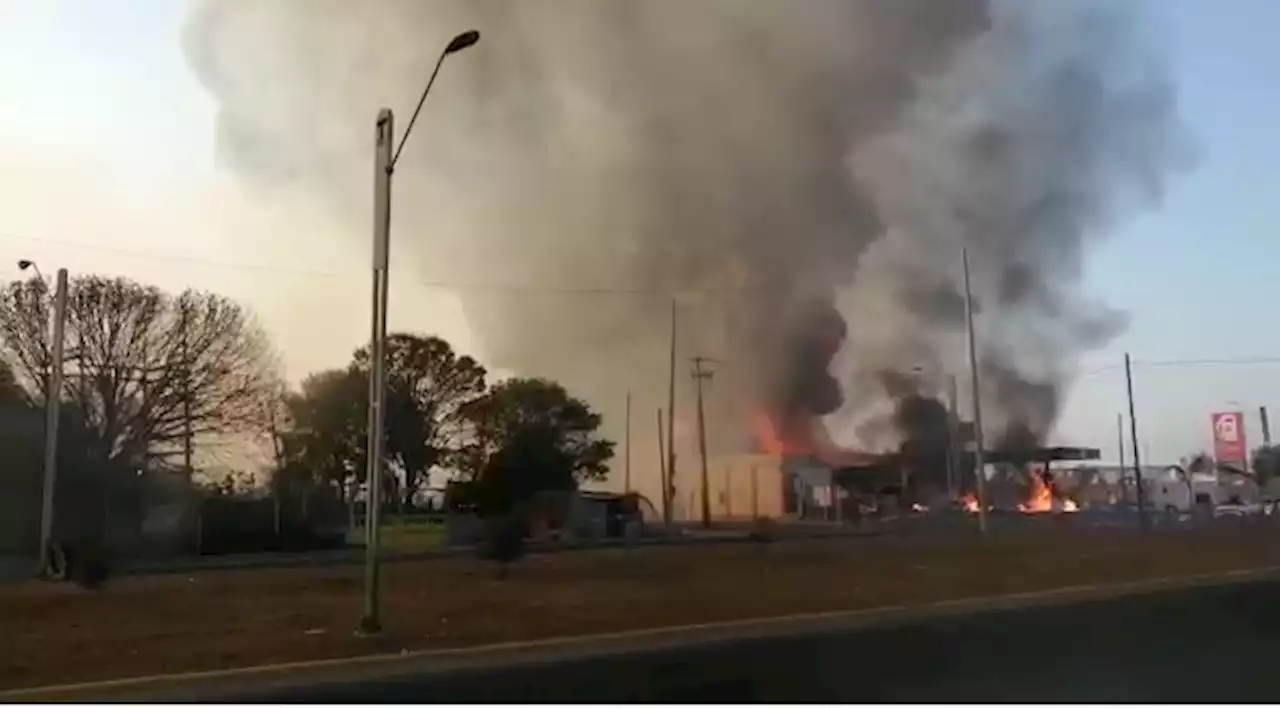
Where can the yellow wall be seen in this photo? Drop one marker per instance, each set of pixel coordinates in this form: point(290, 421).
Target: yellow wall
point(741, 487)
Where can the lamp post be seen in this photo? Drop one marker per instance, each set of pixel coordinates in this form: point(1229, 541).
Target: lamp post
point(52, 408)
point(384, 167)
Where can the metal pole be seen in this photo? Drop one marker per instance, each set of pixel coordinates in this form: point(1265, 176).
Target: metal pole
point(662, 455)
point(728, 493)
point(626, 485)
point(755, 491)
point(371, 621)
point(833, 497)
point(953, 432)
point(979, 455)
point(699, 376)
point(669, 479)
point(52, 409)
point(278, 450)
point(1133, 438)
point(187, 470)
point(187, 437)
point(1124, 489)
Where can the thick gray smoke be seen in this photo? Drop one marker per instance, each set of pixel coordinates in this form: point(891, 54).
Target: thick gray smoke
point(767, 154)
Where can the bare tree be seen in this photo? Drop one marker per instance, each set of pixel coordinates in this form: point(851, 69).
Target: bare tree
point(149, 371)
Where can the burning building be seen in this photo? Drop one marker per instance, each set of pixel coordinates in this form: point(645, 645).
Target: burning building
point(801, 468)
point(810, 179)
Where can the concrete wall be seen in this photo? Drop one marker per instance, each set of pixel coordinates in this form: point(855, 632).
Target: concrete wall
point(742, 487)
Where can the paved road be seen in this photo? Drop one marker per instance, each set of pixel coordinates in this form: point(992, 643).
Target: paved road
point(1205, 644)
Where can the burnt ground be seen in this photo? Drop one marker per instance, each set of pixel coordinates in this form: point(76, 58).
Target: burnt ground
point(57, 634)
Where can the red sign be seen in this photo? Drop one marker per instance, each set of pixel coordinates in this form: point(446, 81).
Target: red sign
point(1228, 437)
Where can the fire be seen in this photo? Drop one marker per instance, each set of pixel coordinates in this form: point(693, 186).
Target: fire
point(768, 436)
point(1041, 499)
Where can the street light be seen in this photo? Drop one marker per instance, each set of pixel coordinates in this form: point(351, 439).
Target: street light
point(52, 406)
point(384, 166)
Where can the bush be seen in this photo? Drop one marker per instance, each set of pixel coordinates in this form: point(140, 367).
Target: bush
point(763, 530)
point(230, 525)
point(88, 565)
point(504, 541)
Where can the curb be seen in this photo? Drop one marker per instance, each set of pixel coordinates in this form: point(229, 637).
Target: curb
point(568, 648)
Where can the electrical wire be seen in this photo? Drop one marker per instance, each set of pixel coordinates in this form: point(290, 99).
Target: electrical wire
point(571, 290)
point(670, 292)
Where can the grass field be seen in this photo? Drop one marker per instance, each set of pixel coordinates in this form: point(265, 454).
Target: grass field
point(410, 535)
point(56, 634)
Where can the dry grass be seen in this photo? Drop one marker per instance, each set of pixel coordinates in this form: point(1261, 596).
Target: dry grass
point(147, 625)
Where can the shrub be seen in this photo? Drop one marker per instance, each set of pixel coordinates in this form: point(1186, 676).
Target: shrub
point(763, 530)
point(504, 541)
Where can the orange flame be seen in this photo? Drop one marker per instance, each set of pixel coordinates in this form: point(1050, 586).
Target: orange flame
point(1040, 499)
point(767, 435)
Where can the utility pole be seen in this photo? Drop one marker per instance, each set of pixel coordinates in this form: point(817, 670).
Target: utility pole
point(662, 455)
point(1124, 489)
point(669, 475)
point(701, 375)
point(184, 364)
point(1133, 436)
point(52, 406)
point(1266, 425)
point(728, 493)
point(185, 353)
point(277, 447)
point(953, 432)
point(979, 455)
point(755, 492)
point(626, 446)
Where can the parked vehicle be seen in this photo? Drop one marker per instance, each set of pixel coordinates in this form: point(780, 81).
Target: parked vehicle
point(1240, 509)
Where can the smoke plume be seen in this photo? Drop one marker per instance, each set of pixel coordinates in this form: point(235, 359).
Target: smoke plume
point(761, 155)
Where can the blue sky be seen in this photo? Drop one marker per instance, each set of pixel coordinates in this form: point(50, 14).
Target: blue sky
point(1196, 274)
point(83, 82)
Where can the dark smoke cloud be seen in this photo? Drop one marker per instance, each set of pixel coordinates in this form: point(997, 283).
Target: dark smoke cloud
point(771, 154)
point(1045, 133)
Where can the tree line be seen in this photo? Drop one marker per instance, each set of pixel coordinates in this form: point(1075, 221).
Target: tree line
point(509, 439)
point(147, 373)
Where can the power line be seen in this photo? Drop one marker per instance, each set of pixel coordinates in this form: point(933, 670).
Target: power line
point(524, 289)
point(530, 289)
point(1204, 362)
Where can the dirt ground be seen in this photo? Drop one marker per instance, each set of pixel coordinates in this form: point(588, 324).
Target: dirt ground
point(56, 634)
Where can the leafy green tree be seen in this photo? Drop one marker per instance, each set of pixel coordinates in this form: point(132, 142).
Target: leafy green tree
point(326, 440)
point(1201, 463)
point(1266, 463)
point(529, 436)
point(428, 385)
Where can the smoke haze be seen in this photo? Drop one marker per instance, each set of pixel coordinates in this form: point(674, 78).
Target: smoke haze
point(755, 156)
